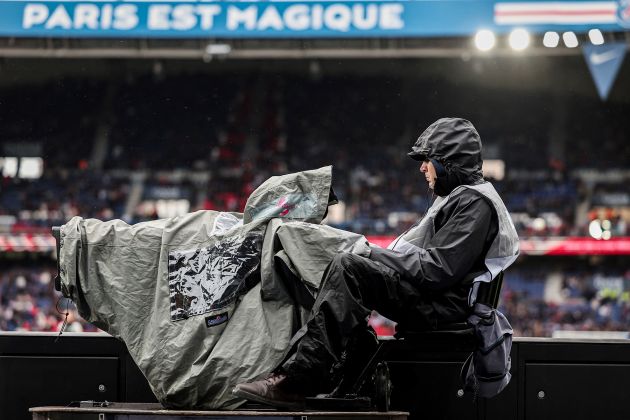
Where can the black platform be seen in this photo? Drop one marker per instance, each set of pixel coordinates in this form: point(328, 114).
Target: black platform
point(130, 411)
point(551, 378)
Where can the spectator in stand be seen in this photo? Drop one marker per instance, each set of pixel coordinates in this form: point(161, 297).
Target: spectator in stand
point(28, 302)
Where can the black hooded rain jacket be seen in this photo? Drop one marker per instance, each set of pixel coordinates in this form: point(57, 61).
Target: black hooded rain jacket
point(451, 245)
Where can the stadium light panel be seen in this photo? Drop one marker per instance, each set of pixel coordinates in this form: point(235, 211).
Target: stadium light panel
point(570, 39)
point(596, 37)
point(218, 49)
point(539, 224)
point(595, 229)
point(519, 39)
point(172, 208)
point(551, 39)
point(485, 40)
point(493, 168)
point(9, 166)
point(31, 168)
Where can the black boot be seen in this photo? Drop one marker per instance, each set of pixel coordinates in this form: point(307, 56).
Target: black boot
point(275, 390)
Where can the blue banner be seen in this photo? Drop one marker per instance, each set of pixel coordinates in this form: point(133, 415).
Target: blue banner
point(604, 62)
point(294, 19)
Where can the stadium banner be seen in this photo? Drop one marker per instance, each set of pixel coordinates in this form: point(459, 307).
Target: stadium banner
point(604, 62)
point(575, 246)
point(302, 19)
point(44, 243)
point(553, 245)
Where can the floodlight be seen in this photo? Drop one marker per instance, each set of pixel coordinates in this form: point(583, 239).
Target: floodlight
point(596, 37)
point(485, 40)
point(519, 39)
point(570, 40)
point(551, 39)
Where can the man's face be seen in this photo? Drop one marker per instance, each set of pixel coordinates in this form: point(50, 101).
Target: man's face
point(428, 170)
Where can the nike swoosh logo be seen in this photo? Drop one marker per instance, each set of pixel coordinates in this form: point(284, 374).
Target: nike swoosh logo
point(602, 58)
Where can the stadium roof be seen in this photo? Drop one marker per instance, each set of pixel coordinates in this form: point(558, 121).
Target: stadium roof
point(206, 49)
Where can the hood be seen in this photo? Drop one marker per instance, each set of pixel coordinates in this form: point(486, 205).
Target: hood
point(455, 143)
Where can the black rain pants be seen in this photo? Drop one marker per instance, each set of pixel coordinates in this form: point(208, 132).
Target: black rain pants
point(352, 286)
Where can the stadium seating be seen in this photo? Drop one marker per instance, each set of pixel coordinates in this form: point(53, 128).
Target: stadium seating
point(151, 145)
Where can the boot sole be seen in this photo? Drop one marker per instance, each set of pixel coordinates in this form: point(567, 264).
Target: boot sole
point(274, 403)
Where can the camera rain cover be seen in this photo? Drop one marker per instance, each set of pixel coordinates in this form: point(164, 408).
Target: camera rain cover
point(206, 279)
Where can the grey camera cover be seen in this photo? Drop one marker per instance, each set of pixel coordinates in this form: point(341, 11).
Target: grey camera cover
point(197, 299)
